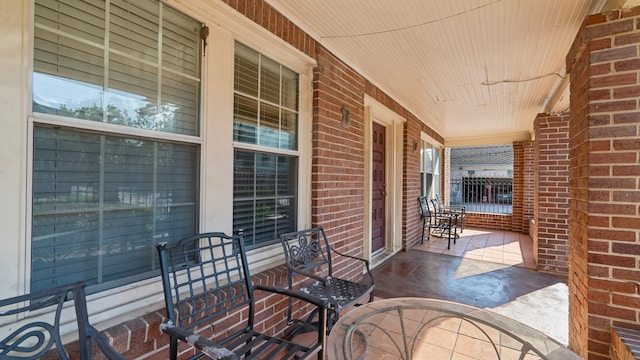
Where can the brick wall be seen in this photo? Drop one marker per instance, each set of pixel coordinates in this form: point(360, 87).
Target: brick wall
point(141, 337)
point(337, 174)
point(552, 195)
point(489, 221)
point(604, 216)
point(412, 223)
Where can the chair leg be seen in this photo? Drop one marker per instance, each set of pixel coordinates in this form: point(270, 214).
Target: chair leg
point(424, 223)
point(173, 348)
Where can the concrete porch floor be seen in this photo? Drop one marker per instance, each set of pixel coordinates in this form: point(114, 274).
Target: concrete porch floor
point(487, 269)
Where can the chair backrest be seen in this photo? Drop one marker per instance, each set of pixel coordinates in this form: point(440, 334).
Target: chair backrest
point(204, 277)
point(37, 331)
point(425, 211)
point(307, 250)
point(438, 199)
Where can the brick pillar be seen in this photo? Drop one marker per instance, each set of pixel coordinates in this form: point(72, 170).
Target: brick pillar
point(517, 201)
point(528, 184)
point(552, 197)
point(445, 170)
point(604, 215)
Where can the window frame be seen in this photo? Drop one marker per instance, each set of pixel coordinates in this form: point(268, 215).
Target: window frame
point(268, 256)
point(260, 149)
point(79, 125)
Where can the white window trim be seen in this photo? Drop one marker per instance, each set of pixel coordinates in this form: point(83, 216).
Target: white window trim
point(437, 145)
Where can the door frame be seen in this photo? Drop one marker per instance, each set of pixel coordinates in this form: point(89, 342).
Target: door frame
point(393, 123)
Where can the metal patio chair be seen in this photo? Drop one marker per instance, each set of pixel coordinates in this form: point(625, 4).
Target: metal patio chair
point(308, 253)
point(443, 209)
point(444, 225)
point(208, 290)
point(37, 330)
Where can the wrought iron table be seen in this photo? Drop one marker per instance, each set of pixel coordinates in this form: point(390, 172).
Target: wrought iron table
point(421, 328)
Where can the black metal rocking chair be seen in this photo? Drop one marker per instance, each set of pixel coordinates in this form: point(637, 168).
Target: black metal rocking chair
point(309, 254)
point(36, 332)
point(208, 290)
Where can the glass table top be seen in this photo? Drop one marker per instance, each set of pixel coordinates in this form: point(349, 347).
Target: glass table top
point(422, 328)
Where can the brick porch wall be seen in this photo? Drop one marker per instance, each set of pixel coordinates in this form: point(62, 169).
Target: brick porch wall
point(552, 195)
point(337, 174)
point(141, 337)
point(604, 217)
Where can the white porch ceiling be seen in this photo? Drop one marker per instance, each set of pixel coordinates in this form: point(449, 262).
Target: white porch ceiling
point(475, 71)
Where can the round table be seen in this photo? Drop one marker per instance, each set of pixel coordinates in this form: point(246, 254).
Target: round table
point(422, 328)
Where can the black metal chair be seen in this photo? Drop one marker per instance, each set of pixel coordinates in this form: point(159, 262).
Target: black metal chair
point(438, 225)
point(37, 331)
point(308, 253)
point(208, 290)
point(442, 209)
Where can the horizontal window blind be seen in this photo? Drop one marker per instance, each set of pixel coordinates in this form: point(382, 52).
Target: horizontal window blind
point(264, 193)
point(265, 101)
point(151, 79)
point(101, 202)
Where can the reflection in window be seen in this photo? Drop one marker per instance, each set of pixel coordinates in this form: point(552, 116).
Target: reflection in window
point(264, 194)
point(128, 85)
point(265, 176)
point(265, 101)
point(101, 202)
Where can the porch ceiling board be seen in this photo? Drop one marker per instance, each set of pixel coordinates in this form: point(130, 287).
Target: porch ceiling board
point(470, 69)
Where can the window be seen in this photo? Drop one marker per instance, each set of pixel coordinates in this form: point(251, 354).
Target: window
point(429, 170)
point(482, 178)
point(265, 135)
point(116, 93)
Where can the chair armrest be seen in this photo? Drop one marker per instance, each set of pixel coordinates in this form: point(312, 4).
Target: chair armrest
point(307, 274)
point(208, 347)
point(103, 344)
point(322, 305)
point(457, 208)
point(296, 294)
point(366, 262)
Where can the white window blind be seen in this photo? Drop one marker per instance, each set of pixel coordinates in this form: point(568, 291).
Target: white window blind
point(139, 57)
point(100, 201)
point(265, 173)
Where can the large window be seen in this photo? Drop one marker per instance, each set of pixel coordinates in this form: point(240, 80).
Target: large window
point(265, 135)
point(116, 92)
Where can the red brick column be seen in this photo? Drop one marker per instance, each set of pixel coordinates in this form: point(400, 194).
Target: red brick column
point(528, 183)
point(552, 195)
point(604, 227)
point(517, 202)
